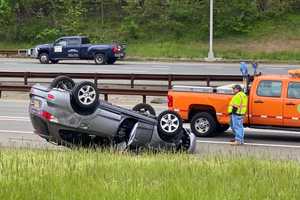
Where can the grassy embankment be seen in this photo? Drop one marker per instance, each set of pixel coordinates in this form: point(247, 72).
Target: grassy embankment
point(45, 174)
point(277, 39)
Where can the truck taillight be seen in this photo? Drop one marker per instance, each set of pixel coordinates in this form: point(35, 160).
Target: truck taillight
point(115, 50)
point(170, 101)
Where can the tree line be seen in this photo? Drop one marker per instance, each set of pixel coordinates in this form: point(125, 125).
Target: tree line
point(102, 20)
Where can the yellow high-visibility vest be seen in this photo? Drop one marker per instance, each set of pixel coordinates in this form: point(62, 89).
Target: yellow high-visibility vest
point(239, 100)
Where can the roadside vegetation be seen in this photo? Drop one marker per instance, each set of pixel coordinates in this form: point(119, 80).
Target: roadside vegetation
point(86, 174)
point(244, 29)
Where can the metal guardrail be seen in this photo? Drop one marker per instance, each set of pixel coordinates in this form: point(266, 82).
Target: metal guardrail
point(13, 52)
point(132, 77)
point(169, 78)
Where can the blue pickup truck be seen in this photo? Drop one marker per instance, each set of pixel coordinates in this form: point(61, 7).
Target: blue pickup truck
point(77, 47)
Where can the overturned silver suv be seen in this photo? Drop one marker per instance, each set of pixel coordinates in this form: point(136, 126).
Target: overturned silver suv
point(72, 114)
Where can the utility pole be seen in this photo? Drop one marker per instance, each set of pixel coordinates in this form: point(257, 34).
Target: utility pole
point(102, 13)
point(211, 56)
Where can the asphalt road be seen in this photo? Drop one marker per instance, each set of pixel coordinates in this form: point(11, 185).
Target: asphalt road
point(16, 131)
point(33, 65)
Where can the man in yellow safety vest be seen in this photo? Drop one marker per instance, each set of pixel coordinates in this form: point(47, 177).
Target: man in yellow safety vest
point(237, 109)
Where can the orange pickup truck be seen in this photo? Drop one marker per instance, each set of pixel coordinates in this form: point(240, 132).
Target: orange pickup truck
point(274, 103)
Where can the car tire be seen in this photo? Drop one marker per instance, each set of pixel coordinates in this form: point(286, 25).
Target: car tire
point(100, 59)
point(44, 58)
point(203, 124)
point(185, 143)
point(54, 61)
point(144, 108)
point(85, 96)
point(169, 125)
point(62, 82)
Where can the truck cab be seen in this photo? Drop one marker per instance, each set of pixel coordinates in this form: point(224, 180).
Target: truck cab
point(274, 103)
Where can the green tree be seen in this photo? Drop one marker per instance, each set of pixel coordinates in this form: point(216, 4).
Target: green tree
point(73, 19)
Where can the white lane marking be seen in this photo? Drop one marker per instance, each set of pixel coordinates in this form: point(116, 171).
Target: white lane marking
point(250, 144)
point(18, 132)
point(249, 130)
point(14, 101)
point(14, 118)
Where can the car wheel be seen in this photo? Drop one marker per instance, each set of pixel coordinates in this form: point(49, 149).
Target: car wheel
point(62, 82)
point(44, 58)
point(54, 61)
point(85, 95)
point(144, 108)
point(203, 124)
point(169, 125)
point(185, 144)
point(100, 59)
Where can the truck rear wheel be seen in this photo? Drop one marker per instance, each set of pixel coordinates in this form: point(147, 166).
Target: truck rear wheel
point(100, 59)
point(203, 124)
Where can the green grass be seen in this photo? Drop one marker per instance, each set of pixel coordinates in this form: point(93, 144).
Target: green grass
point(45, 174)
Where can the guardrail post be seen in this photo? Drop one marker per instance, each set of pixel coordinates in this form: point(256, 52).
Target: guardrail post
point(144, 99)
point(0, 93)
point(207, 81)
point(105, 97)
point(25, 78)
point(170, 81)
point(96, 80)
point(132, 81)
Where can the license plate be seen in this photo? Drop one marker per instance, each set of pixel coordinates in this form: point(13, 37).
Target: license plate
point(36, 104)
point(119, 54)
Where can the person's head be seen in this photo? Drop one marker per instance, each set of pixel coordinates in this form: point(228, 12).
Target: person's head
point(236, 88)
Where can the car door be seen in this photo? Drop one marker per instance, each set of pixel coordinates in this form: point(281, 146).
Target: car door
point(292, 105)
point(267, 103)
point(73, 47)
point(59, 49)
